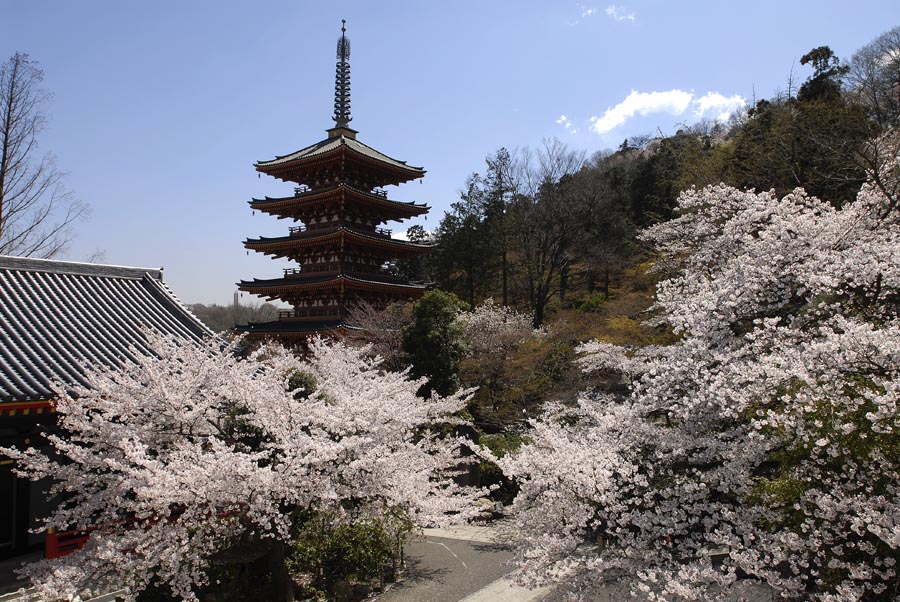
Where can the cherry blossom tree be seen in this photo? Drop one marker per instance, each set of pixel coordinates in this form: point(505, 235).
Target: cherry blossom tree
point(763, 448)
point(190, 453)
point(495, 330)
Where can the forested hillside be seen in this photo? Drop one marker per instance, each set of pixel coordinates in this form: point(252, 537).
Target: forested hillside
point(554, 234)
point(548, 229)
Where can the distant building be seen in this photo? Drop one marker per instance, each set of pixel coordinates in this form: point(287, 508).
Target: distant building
point(57, 319)
point(341, 248)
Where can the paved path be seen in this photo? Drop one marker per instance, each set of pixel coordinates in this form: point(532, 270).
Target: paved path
point(461, 564)
point(28, 595)
point(464, 564)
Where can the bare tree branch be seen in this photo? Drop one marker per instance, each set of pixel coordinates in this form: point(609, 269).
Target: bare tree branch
point(37, 211)
point(382, 327)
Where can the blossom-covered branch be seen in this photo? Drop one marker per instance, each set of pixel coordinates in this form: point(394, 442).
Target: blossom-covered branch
point(192, 452)
point(762, 447)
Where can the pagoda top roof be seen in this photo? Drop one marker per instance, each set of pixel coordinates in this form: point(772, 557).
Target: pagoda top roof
point(337, 143)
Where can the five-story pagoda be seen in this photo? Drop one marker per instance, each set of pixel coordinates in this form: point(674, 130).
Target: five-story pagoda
point(341, 248)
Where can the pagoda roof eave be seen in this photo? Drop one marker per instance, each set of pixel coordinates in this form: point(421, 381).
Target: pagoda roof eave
point(335, 146)
point(278, 286)
point(313, 237)
point(409, 207)
point(257, 282)
point(278, 326)
point(291, 333)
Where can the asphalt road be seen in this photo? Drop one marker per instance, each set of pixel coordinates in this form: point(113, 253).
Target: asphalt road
point(463, 564)
point(447, 570)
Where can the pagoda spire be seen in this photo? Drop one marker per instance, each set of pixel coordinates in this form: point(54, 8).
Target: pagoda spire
point(342, 80)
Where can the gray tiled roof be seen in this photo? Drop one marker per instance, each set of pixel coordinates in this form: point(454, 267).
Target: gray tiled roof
point(58, 318)
point(325, 146)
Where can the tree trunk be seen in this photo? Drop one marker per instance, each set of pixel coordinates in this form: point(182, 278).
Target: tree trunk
point(6, 133)
point(563, 281)
point(505, 271)
point(538, 319)
point(282, 586)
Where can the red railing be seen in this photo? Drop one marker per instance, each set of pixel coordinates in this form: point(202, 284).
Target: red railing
point(63, 543)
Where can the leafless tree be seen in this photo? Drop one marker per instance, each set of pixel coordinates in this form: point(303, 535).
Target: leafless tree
point(37, 211)
point(221, 318)
point(874, 77)
point(542, 221)
point(382, 327)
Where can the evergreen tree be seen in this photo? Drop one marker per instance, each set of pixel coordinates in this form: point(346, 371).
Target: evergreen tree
point(434, 342)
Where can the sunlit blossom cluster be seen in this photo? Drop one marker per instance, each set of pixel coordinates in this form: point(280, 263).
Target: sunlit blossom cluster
point(492, 328)
point(762, 450)
point(192, 451)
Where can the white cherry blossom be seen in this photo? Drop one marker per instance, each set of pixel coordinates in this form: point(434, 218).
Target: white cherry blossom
point(193, 451)
point(762, 447)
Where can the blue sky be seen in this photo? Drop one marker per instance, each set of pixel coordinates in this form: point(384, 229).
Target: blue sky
point(160, 109)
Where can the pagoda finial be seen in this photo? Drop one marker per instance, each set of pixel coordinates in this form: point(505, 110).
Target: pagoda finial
point(342, 80)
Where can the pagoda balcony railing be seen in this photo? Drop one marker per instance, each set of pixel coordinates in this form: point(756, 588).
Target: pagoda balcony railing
point(380, 192)
point(316, 268)
point(335, 268)
point(298, 230)
point(301, 189)
point(310, 312)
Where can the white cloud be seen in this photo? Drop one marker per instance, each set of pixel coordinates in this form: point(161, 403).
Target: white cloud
point(586, 13)
point(674, 102)
point(566, 123)
point(620, 13)
point(721, 106)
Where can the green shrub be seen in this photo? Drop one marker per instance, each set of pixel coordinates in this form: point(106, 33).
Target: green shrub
point(360, 551)
point(499, 444)
point(593, 302)
point(557, 362)
point(302, 383)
